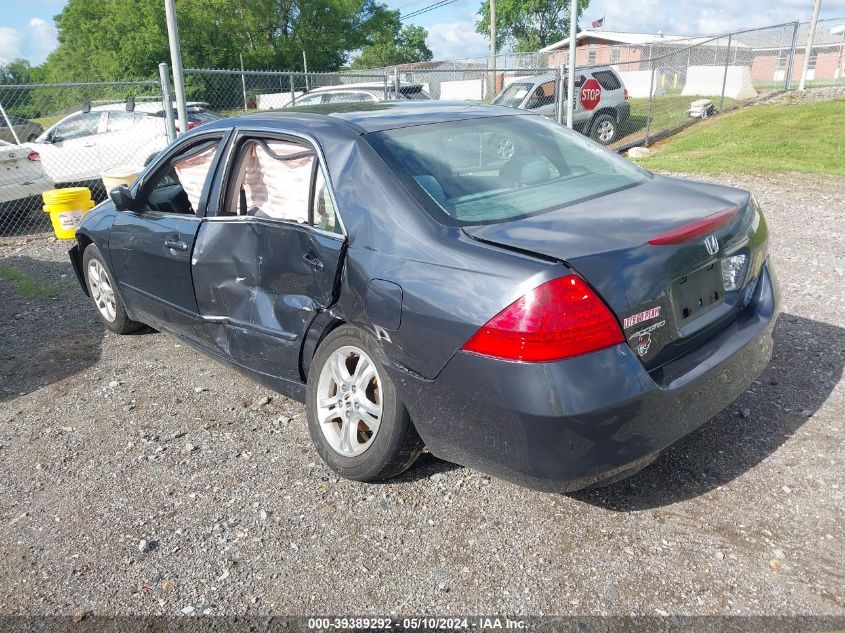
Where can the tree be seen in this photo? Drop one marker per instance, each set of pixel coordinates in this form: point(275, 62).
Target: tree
point(528, 25)
point(103, 40)
point(393, 46)
point(16, 72)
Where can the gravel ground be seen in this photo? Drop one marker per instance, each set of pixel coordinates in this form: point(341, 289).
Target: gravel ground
point(794, 97)
point(140, 477)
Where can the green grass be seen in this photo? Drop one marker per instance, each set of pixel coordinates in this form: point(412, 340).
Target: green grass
point(807, 138)
point(27, 287)
point(667, 113)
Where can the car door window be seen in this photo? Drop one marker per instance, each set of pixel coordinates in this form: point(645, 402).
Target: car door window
point(344, 97)
point(77, 126)
point(119, 121)
point(309, 100)
point(544, 94)
point(325, 213)
point(272, 180)
point(178, 186)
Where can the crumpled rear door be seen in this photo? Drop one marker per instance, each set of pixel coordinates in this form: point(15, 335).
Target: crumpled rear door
point(259, 283)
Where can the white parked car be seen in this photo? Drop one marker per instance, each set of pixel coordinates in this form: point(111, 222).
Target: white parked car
point(368, 91)
point(84, 144)
point(21, 176)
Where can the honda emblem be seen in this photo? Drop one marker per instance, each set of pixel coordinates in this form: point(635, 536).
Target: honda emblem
point(711, 244)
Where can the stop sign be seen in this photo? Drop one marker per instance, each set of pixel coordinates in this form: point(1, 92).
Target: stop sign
point(590, 94)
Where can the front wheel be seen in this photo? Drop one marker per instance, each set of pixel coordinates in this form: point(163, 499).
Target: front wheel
point(604, 129)
point(356, 421)
point(104, 293)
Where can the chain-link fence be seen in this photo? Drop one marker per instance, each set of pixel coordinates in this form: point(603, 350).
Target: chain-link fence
point(628, 92)
point(60, 135)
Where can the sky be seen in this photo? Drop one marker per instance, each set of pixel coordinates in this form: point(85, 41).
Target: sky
point(27, 29)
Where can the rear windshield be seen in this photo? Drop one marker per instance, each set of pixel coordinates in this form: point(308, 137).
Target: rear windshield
point(513, 95)
point(500, 168)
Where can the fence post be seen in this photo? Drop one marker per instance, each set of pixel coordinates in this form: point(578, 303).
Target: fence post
point(386, 78)
point(243, 82)
point(560, 88)
point(292, 90)
point(176, 61)
point(396, 83)
point(725, 78)
point(650, 104)
point(170, 123)
point(787, 84)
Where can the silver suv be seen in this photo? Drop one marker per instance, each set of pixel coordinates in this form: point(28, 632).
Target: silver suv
point(601, 106)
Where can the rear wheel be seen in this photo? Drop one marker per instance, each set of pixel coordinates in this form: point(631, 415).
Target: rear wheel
point(358, 425)
point(104, 293)
point(604, 129)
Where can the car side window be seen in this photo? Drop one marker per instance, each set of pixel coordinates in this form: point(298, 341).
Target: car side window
point(325, 214)
point(273, 179)
point(177, 187)
point(344, 97)
point(544, 94)
point(309, 100)
point(607, 79)
point(120, 120)
point(85, 124)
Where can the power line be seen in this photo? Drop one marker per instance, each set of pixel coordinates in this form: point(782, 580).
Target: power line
point(408, 4)
point(426, 9)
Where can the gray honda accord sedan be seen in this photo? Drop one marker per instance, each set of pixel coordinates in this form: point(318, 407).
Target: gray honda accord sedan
point(474, 280)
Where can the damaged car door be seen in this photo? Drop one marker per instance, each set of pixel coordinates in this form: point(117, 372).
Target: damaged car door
point(268, 259)
point(151, 242)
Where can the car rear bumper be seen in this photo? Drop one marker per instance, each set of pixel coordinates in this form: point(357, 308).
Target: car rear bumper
point(26, 190)
point(566, 425)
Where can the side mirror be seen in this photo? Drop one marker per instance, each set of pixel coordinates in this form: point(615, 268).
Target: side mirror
point(122, 198)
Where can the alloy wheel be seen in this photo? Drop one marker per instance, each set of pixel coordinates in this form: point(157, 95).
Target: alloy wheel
point(349, 401)
point(605, 131)
point(102, 291)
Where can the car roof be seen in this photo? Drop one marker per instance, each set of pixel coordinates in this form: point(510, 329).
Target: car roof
point(551, 76)
point(366, 85)
point(145, 107)
point(363, 117)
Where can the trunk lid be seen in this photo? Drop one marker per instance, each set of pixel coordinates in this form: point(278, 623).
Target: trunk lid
point(667, 298)
point(15, 166)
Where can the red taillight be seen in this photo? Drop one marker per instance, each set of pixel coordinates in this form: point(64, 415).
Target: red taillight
point(192, 125)
point(560, 319)
point(695, 229)
point(626, 94)
point(33, 155)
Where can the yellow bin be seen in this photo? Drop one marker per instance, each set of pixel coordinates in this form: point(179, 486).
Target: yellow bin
point(66, 208)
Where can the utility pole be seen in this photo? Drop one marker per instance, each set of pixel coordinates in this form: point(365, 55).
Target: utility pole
point(810, 37)
point(176, 62)
point(573, 47)
point(492, 90)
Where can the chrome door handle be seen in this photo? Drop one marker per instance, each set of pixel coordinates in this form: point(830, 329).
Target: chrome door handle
point(177, 245)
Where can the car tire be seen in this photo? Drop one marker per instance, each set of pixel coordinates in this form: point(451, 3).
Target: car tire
point(104, 293)
point(348, 385)
point(604, 129)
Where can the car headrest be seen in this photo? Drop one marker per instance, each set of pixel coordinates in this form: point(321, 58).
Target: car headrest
point(432, 187)
point(522, 171)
